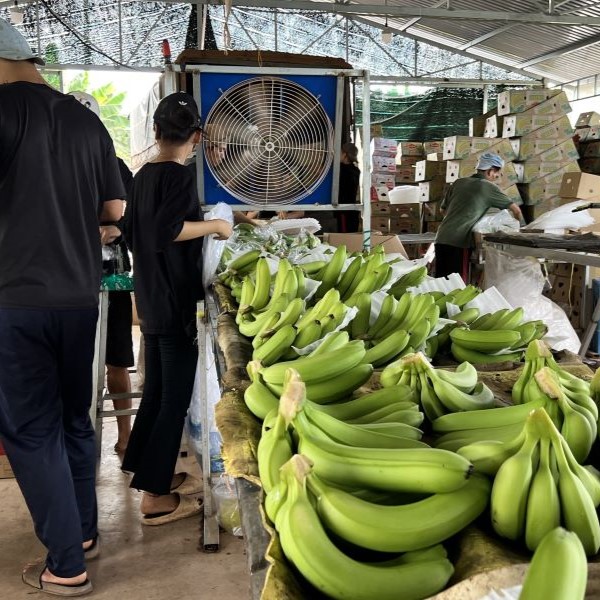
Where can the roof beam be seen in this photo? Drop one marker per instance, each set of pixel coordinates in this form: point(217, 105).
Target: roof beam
point(451, 82)
point(394, 11)
point(486, 36)
point(585, 43)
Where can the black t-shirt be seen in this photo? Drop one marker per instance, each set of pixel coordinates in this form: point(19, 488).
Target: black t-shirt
point(349, 182)
point(57, 167)
point(167, 274)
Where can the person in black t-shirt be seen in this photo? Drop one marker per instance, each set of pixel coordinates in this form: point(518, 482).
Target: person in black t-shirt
point(119, 321)
point(163, 227)
point(58, 177)
point(348, 220)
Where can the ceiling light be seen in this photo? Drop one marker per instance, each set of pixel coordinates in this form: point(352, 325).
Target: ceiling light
point(16, 14)
point(386, 35)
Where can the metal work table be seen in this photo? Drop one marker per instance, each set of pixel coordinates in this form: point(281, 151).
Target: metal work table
point(416, 238)
point(568, 256)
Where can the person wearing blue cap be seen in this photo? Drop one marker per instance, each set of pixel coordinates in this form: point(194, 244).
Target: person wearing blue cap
point(58, 178)
point(466, 202)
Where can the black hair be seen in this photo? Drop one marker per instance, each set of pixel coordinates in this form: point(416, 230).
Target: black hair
point(176, 118)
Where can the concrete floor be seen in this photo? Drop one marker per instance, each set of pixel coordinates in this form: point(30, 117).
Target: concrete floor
point(153, 563)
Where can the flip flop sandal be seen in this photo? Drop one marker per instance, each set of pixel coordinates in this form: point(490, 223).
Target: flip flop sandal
point(190, 485)
point(188, 507)
point(94, 550)
point(32, 575)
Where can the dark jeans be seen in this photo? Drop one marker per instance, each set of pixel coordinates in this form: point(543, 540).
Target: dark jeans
point(46, 361)
point(450, 259)
point(156, 435)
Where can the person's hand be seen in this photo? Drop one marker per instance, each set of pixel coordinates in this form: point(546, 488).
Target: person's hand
point(109, 233)
point(223, 229)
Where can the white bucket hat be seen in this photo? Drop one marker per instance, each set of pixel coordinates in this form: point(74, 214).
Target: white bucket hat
point(13, 46)
point(87, 100)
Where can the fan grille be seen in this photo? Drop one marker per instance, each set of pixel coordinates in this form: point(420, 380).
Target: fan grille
point(268, 141)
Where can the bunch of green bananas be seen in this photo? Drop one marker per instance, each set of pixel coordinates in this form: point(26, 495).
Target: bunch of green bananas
point(410, 279)
point(558, 569)
point(411, 576)
point(541, 485)
point(495, 337)
point(439, 391)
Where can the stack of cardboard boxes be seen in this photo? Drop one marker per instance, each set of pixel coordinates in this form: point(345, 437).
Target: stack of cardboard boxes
point(587, 132)
point(539, 130)
point(383, 172)
point(407, 157)
point(431, 176)
point(462, 154)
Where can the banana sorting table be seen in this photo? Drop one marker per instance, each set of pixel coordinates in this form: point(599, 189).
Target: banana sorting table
point(586, 259)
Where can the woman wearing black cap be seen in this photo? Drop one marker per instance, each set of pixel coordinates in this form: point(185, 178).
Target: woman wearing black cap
point(164, 229)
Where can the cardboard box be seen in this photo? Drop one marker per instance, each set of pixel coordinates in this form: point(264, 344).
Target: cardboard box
point(461, 146)
point(383, 147)
point(583, 186)
point(383, 180)
point(527, 148)
point(513, 193)
point(456, 169)
point(477, 124)
point(376, 130)
point(410, 149)
point(354, 242)
point(381, 209)
point(534, 169)
point(380, 194)
point(559, 129)
point(592, 150)
point(432, 211)
point(405, 175)
point(406, 226)
point(383, 164)
point(432, 191)
point(426, 170)
point(405, 211)
point(435, 146)
point(493, 126)
point(590, 165)
point(524, 123)
point(433, 226)
point(407, 161)
point(546, 187)
point(516, 101)
point(435, 156)
point(587, 119)
point(589, 134)
point(380, 224)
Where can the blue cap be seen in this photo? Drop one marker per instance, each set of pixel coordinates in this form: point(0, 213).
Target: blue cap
point(488, 161)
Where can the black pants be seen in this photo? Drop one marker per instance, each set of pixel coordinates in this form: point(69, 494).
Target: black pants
point(46, 361)
point(156, 434)
point(450, 259)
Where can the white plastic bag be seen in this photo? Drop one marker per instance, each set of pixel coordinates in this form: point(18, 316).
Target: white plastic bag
point(562, 218)
point(226, 504)
point(521, 281)
point(506, 594)
point(213, 248)
point(500, 221)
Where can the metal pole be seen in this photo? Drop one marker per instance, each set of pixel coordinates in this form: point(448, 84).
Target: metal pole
point(486, 94)
point(416, 58)
point(120, 32)
point(276, 28)
point(39, 37)
point(347, 28)
point(366, 161)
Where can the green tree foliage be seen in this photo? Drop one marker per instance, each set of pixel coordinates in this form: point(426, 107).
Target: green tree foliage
point(111, 111)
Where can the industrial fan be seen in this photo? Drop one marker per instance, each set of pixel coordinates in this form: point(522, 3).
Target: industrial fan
point(268, 139)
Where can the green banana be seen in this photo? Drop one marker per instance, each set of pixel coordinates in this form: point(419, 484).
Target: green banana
point(510, 491)
point(257, 396)
point(308, 547)
point(274, 450)
point(404, 527)
point(360, 324)
point(385, 314)
point(468, 315)
point(331, 272)
point(463, 378)
point(262, 286)
point(543, 505)
point(244, 261)
point(484, 341)
point(276, 346)
point(348, 276)
point(410, 279)
point(387, 349)
point(308, 335)
point(318, 368)
point(488, 456)
point(558, 569)
point(462, 354)
point(455, 400)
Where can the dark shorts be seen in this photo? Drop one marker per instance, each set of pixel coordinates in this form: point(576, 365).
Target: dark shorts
point(119, 341)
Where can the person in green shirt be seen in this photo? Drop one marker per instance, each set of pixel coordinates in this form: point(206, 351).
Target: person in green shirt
point(466, 203)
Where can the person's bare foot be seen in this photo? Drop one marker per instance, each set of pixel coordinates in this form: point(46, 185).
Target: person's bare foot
point(152, 504)
point(50, 578)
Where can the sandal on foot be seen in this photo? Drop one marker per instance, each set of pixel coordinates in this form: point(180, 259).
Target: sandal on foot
point(32, 575)
point(190, 485)
point(93, 551)
point(188, 507)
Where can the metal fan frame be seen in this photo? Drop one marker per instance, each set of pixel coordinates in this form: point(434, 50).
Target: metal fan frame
point(284, 140)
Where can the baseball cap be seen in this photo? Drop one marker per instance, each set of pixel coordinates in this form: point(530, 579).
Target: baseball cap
point(178, 110)
point(488, 161)
point(13, 46)
point(87, 100)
